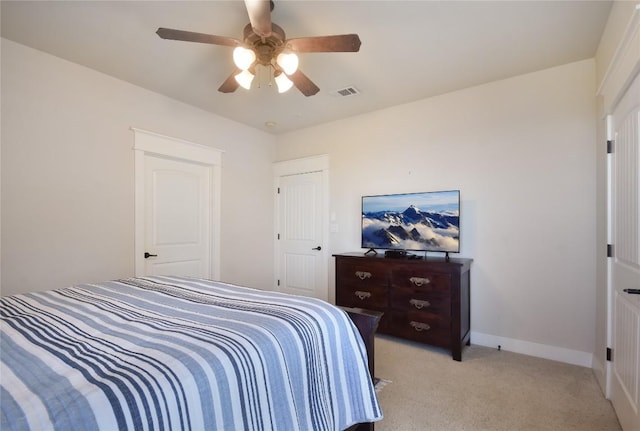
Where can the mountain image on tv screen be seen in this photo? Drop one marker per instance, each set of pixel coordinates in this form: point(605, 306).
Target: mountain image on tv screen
point(427, 221)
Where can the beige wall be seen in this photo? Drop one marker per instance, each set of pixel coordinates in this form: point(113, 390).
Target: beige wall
point(522, 151)
point(68, 178)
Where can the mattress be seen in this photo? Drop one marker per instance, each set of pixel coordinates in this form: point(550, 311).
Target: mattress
point(174, 353)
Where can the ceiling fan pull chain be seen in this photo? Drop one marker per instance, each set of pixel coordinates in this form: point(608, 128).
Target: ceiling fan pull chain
point(260, 72)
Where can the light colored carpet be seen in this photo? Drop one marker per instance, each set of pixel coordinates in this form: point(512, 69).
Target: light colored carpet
point(489, 390)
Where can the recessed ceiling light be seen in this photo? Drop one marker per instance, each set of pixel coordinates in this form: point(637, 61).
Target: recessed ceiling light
point(270, 124)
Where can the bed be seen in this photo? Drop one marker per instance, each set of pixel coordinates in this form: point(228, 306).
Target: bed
point(174, 353)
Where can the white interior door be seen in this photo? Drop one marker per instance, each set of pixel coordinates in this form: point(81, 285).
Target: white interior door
point(301, 258)
point(625, 265)
point(177, 206)
point(177, 218)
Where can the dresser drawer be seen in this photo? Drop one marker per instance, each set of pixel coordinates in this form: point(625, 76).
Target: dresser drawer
point(422, 327)
point(420, 301)
point(426, 281)
point(361, 274)
point(365, 296)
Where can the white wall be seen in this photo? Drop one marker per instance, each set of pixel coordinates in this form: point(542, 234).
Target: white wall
point(522, 152)
point(68, 178)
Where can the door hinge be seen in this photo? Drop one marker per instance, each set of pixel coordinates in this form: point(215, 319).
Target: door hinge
point(278, 282)
point(609, 250)
point(278, 190)
point(609, 354)
point(610, 146)
point(278, 236)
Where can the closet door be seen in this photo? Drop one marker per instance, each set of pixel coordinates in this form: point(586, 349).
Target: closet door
point(625, 264)
point(302, 262)
point(301, 226)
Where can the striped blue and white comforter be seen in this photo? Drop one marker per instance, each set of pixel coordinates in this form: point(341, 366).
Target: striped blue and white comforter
point(168, 353)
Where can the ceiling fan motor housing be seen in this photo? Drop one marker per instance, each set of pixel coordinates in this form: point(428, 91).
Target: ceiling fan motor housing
point(266, 48)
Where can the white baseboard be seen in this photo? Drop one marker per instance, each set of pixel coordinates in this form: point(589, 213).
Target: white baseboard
point(545, 351)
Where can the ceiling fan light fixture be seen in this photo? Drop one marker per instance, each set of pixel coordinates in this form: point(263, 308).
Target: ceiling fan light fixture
point(283, 83)
point(264, 44)
point(288, 62)
point(245, 78)
point(243, 57)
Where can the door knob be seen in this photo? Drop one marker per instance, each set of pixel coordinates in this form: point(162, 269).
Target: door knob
point(317, 248)
point(148, 255)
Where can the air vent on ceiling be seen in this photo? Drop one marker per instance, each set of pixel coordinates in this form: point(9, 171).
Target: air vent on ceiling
point(346, 92)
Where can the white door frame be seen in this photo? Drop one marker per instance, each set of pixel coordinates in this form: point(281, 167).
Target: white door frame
point(150, 143)
point(619, 75)
point(302, 166)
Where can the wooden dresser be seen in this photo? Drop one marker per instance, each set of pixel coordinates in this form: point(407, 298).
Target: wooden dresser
point(425, 300)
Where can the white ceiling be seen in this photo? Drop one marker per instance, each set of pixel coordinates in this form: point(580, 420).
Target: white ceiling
point(410, 50)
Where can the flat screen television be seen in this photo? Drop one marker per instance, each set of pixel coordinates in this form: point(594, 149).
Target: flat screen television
point(427, 221)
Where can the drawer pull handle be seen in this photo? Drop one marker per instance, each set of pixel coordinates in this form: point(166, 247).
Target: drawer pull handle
point(419, 304)
point(362, 275)
point(419, 326)
point(363, 295)
point(418, 281)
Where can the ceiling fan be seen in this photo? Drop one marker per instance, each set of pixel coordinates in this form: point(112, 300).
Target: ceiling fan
point(264, 44)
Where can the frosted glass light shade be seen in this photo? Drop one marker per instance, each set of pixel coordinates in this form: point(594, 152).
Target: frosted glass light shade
point(288, 62)
point(243, 57)
point(283, 83)
point(244, 78)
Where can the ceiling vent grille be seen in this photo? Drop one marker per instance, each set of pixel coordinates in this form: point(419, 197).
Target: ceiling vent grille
point(346, 92)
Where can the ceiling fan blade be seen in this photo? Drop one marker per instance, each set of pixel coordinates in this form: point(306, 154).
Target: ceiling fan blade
point(260, 16)
point(337, 43)
point(230, 84)
point(303, 83)
point(189, 36)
